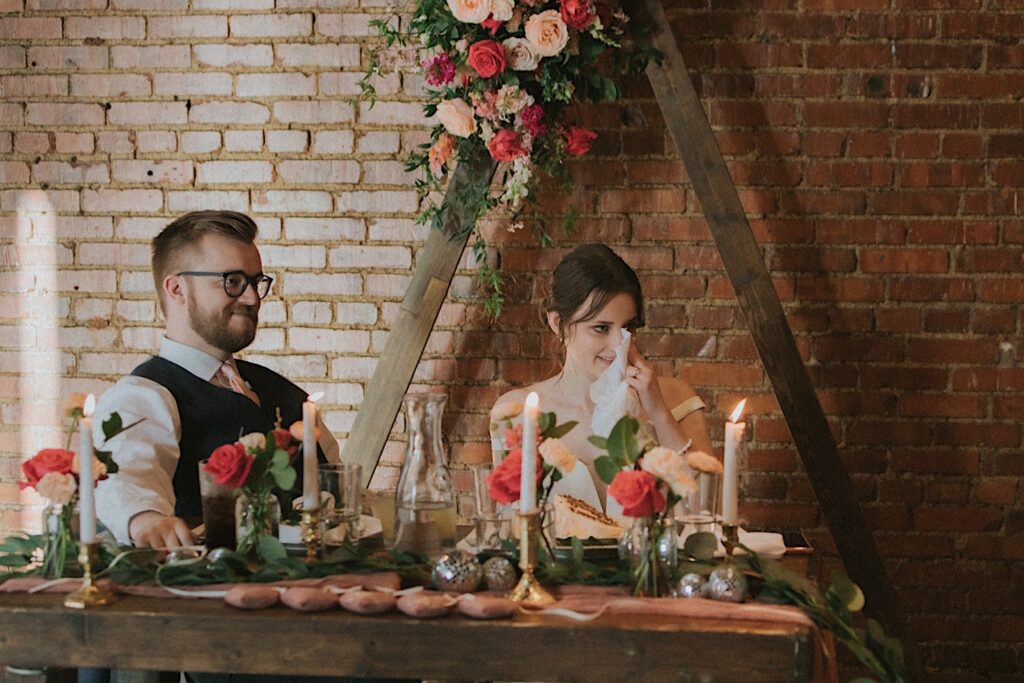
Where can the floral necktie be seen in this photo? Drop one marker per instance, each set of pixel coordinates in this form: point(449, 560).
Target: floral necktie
point(227, 377)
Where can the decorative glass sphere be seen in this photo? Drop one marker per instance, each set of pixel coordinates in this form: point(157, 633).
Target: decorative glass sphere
point(727, 583)
point(457, 571)
point(692, 585)
point(499, 574)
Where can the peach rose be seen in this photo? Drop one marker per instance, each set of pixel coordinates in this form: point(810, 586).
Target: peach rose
point(703, 462)
point(470, 11)
point(506, 145)
point(441, 152)
point(557, 454)
point(73, 405)
point(457, 117)
point(298, 431)
point(547, 33)
point(57, 488)
point(506, 410)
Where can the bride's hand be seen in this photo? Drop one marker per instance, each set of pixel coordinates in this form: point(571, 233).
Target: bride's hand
point(641, 376)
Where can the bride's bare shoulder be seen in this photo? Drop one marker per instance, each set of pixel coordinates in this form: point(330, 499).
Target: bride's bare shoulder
point(518, 396)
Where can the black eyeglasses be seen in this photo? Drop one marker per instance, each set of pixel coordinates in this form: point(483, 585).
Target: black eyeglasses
point(236, 281)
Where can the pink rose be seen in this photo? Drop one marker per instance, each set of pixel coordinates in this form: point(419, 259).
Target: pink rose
point(457, 117)
point(577, 14)
point(578, 140)
point(637, 492)
point(470, 11)
point(45, 461)
point(547, 33)
point(487, 58)
point(506, 145)
point(492, 24)
point(229, 464)
point(503, 482)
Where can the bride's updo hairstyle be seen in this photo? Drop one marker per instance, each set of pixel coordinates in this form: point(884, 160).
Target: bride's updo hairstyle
point(591, 268)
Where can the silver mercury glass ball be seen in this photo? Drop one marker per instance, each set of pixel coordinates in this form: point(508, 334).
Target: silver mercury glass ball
point(728, 584)
point(692, 585)
point(458, 571)
point(216, 555)
point(180, 555)
point(499, 574)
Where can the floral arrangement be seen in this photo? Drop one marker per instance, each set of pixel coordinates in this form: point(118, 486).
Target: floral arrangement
point(54, 474)
point(648, 481)
point(256, 464)
point(504, 78)
point(555, 460)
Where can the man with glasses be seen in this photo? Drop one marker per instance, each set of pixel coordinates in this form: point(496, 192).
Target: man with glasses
point(194, 395)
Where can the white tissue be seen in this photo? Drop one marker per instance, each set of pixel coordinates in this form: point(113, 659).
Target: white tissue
point(611, 395)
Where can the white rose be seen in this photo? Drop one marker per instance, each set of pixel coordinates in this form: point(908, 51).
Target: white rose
point(556, 454)
point(501, 10)
point(519, 54)
point(470, 11)
point(254, 441)
point(457, 117)
point(547, 33)
point(57, 488)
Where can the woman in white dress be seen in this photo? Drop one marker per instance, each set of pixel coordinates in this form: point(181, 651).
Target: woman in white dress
point(595, 295)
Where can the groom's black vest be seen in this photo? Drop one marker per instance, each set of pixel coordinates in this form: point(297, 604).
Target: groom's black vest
point(212, 416)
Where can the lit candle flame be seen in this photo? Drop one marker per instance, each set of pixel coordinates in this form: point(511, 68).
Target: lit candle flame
point(315, 397)
point(532, 400)
point(89, 406)
point(737, 412)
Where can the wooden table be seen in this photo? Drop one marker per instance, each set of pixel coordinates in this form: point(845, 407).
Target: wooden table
point(206, 635)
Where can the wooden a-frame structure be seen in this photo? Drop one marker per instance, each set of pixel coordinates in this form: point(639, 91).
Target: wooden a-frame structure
point(744, 264)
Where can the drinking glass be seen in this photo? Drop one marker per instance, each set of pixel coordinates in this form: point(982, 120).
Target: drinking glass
point(344, 483)
point(493, 524)
point(218, 511)
point(700, 508)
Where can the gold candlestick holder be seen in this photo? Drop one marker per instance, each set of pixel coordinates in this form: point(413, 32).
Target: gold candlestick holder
point(730, 539)
point(312, 533)
point(528, 591)
point(89, 595)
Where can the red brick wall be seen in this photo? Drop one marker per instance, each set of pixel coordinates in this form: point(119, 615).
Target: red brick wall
point(876, 146)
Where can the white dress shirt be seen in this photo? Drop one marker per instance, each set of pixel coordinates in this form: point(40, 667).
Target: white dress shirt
point(148, 453)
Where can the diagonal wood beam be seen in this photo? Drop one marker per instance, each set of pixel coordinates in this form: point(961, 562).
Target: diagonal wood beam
point(435, 268)
point(749, 276)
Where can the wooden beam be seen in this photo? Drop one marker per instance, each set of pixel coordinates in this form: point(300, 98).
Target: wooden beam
point(435, 268)
point(749, 276)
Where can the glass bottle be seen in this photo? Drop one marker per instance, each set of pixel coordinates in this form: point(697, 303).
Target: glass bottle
point(424, 500)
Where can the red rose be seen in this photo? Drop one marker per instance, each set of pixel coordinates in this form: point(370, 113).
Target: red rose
point(637, 493)
point(577, 13)
point(492, 24)
point(487, 57)
point(283, 440)
point(503, 482)
point(229, 465)
point(45, 461)
point(506, 145)
point(578, 140)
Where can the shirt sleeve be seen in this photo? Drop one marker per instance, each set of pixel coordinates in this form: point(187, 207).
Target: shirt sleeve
point(146, 454)
point(690, 405)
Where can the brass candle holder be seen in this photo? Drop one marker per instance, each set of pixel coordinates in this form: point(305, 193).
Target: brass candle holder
point(312, 533)
point(730, 539)
point(89, 595)
point(528, 591)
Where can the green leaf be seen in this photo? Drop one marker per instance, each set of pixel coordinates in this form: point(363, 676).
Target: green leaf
point(107, 459)
point(598, 441)
point(622, 441)
point(285, 478)
point(558, 431)
point(849, 593)
point(279, 460)
point(270, 549)
point(606, 468)
point(113, 426)
point(701, 545)
point(545, 421)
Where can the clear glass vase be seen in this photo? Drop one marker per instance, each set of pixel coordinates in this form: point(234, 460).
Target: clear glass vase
point(60, 551)
point(256, 516)
point(653, 549)
point(425, 499)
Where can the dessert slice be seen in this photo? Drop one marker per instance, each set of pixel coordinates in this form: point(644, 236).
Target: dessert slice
point(576, 519)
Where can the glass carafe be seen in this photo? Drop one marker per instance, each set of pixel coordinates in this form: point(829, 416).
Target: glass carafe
point(424, 500)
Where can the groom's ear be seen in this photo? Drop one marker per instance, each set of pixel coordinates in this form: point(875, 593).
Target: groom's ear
point(554, 322)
